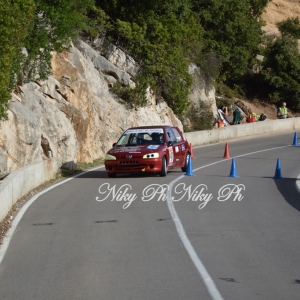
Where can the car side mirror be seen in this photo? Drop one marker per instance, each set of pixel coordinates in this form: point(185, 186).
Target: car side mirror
point(114, 145)
point(170, 143)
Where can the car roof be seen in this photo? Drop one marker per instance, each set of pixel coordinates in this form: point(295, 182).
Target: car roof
point(151, 127)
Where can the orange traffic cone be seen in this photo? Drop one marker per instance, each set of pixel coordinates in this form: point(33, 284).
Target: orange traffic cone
point(221, 124)
point(192, 152)
point(226, 152)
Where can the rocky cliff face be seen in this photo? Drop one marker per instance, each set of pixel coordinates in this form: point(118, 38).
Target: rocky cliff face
point(277, 11)
point(72, 116)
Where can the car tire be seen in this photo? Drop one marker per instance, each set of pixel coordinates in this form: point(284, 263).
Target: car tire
point(111, 175)
point(184, 168)
point(164, 169)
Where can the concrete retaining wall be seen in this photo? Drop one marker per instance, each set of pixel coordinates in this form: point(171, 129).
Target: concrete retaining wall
point(198, 138)
point(22, 181)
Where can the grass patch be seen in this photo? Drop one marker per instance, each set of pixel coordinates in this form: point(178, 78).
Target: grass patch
point(81, 167)
point(85, 166)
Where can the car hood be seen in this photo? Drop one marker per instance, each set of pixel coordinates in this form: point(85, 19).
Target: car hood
point(136, 149)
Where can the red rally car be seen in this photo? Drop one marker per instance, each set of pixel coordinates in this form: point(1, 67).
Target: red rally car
point(154, 149)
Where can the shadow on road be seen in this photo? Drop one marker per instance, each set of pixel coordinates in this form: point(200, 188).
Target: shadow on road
point(287, 187)
point(103, 174)
point(94, 174)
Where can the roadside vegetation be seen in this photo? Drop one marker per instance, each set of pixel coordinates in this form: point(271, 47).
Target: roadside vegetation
point(164, 37)
point(80, 167)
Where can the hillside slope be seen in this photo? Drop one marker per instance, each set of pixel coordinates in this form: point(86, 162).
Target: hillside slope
point(259, 107)
point(277, 11)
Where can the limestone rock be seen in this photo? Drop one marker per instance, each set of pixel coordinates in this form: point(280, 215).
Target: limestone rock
point(72, 116)
point(116, 56)
point(200, 91)
point(278, 11)
point(30, 121)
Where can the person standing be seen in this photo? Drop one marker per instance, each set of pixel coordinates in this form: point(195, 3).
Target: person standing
point(282, 111)
point(236, 116)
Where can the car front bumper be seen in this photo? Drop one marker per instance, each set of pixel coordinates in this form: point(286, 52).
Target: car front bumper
point(133, 166)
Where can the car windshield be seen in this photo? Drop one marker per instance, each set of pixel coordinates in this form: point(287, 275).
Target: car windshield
point(142, 136)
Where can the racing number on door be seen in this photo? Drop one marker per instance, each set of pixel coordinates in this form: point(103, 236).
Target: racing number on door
point(171, 155)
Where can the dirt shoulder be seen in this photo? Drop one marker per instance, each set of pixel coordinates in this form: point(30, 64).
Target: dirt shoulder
point(259, 107)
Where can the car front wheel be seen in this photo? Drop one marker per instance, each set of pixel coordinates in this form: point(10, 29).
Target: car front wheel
point(111, 175)
point(164, 168)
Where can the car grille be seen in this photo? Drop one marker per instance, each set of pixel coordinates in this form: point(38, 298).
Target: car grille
point(131, 167)
point(133, 157)
point(128, 162)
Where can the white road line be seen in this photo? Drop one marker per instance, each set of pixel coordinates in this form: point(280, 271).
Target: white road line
point(17, 219)
point(212, 289)
point(209, 283)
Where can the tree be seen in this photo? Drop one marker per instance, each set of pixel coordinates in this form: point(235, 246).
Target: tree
point(281, 71)
point(15, 19)
point(56, 23)
point(39, 27)
point(162, 37)
point(232, 31)
point(290, 27)
point(97, 24)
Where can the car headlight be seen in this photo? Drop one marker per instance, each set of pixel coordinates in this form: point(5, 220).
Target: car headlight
point(151, 155)
point(110, 157)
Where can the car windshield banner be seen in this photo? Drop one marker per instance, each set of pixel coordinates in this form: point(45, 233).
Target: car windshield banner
point(144, 130)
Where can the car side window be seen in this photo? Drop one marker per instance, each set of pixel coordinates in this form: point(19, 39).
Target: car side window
point(170, 136)
point(133, 139)
point(177, 135)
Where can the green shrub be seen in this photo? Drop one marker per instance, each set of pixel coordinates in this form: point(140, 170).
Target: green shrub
point(16, 18)
point(133, 97)
point(281, 72)
point(200, 117)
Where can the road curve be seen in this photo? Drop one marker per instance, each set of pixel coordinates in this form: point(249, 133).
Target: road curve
point(84, 239)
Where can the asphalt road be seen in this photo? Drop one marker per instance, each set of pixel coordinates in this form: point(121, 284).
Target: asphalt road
point(207, 236)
